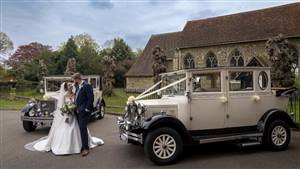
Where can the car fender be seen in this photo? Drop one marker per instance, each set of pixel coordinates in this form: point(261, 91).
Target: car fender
point(27, 108)
point(164, 120)
point(273, 114)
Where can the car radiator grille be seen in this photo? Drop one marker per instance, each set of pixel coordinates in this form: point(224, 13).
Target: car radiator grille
point(47, 107)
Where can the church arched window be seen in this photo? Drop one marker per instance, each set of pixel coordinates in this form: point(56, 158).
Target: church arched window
point(236, 59)
point(189, 62)
point(211, 60)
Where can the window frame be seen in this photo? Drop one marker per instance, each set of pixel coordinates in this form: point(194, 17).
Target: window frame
point(208, 57)
point(221, 73)
point(241, 91)
point(268, 80)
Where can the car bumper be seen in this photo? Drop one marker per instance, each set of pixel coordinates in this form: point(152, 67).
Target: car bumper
point(129, 136)
point(37, 119)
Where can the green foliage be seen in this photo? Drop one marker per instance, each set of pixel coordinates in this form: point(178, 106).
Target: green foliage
point(121, 69)
point(24, 55)
point(85, 39)
point(82, 47)
point(51, 59)
point(138, 52)
point(124, 57)
point(2, 72)
point(89, 59)
point(121, 50)
point(284, 59)
point(31, 70)
point(69, 51)
point(6, 43)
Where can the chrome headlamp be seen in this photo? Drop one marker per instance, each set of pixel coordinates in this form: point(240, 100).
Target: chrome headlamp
point(140, 109)
point(132, 108)
point(31, 113)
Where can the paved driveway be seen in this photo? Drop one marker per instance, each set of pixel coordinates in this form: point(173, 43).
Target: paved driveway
point(115, 154)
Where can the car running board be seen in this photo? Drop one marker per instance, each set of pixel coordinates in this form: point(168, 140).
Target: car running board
point(225, 137)
point(249, 143)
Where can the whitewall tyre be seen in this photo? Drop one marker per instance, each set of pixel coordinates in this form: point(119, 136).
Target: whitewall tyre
point(277, 135)
point(163, 146)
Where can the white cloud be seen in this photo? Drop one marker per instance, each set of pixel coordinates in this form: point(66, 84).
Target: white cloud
point(52, 22)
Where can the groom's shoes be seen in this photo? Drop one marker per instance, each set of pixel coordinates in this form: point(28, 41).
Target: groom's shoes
point(84, 153)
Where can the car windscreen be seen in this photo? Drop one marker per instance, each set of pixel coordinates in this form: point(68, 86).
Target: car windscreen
point(54, 85)
point(177, 89)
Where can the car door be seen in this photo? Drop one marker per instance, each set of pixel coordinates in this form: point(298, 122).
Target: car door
point(241, 103)
point(207, 103)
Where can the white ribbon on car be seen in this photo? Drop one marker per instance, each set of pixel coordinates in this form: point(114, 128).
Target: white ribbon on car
point(152, 87)
point(143, 95)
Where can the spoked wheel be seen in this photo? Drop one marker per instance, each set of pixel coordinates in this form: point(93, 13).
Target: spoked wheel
point(163, 146)
point(277, 136)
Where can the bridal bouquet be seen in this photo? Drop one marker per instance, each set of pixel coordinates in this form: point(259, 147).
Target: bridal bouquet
point(68, 110)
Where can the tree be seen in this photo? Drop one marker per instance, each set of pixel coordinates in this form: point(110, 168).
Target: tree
point(121, 50)
point(124, 59)
point(43, 71)
point(24, 56)
point(282, 58)
point(122, 68)
point(88, 60)
point(71, 67)
point(6, 43)
point(50, 59)
point(69, 51)
point(85, 39)
point(108, 74)
point(2, 73)
point(138, 52)
point(159, 65)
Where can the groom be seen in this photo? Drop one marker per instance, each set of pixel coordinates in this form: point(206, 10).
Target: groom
point(84, 99)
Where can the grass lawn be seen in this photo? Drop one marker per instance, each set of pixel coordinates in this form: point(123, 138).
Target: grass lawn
point(296, 110)
point(117, 101)
point(27, 93)
point(12, 104)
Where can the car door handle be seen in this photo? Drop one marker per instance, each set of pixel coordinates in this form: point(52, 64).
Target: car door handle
point(256, 98)
point(224, 99)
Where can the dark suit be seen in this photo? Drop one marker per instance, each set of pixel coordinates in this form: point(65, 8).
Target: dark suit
point(84, 102)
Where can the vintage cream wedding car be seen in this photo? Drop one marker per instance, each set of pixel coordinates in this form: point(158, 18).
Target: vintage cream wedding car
point(40, 112)
point(208, 105)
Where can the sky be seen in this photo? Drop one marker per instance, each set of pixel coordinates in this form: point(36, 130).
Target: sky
point(52, 22)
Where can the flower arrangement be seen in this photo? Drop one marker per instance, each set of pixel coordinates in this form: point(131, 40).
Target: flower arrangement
point(68, 110)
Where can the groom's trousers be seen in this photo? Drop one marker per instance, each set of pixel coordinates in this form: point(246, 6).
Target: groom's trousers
point(83, 119)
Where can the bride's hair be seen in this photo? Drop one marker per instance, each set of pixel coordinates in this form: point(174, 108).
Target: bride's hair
point(66, 85)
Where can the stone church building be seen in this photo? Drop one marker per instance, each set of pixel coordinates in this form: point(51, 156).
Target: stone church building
point(231, 40)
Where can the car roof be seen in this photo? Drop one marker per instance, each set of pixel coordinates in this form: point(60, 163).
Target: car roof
point(69, 77)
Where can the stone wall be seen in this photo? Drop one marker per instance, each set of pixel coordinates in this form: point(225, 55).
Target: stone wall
point(138, 84)
point(223, 53)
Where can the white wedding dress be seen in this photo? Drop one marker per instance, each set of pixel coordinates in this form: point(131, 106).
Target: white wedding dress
point(63, 138)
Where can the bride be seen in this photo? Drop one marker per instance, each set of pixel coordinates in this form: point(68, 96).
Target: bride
point(64, 136)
